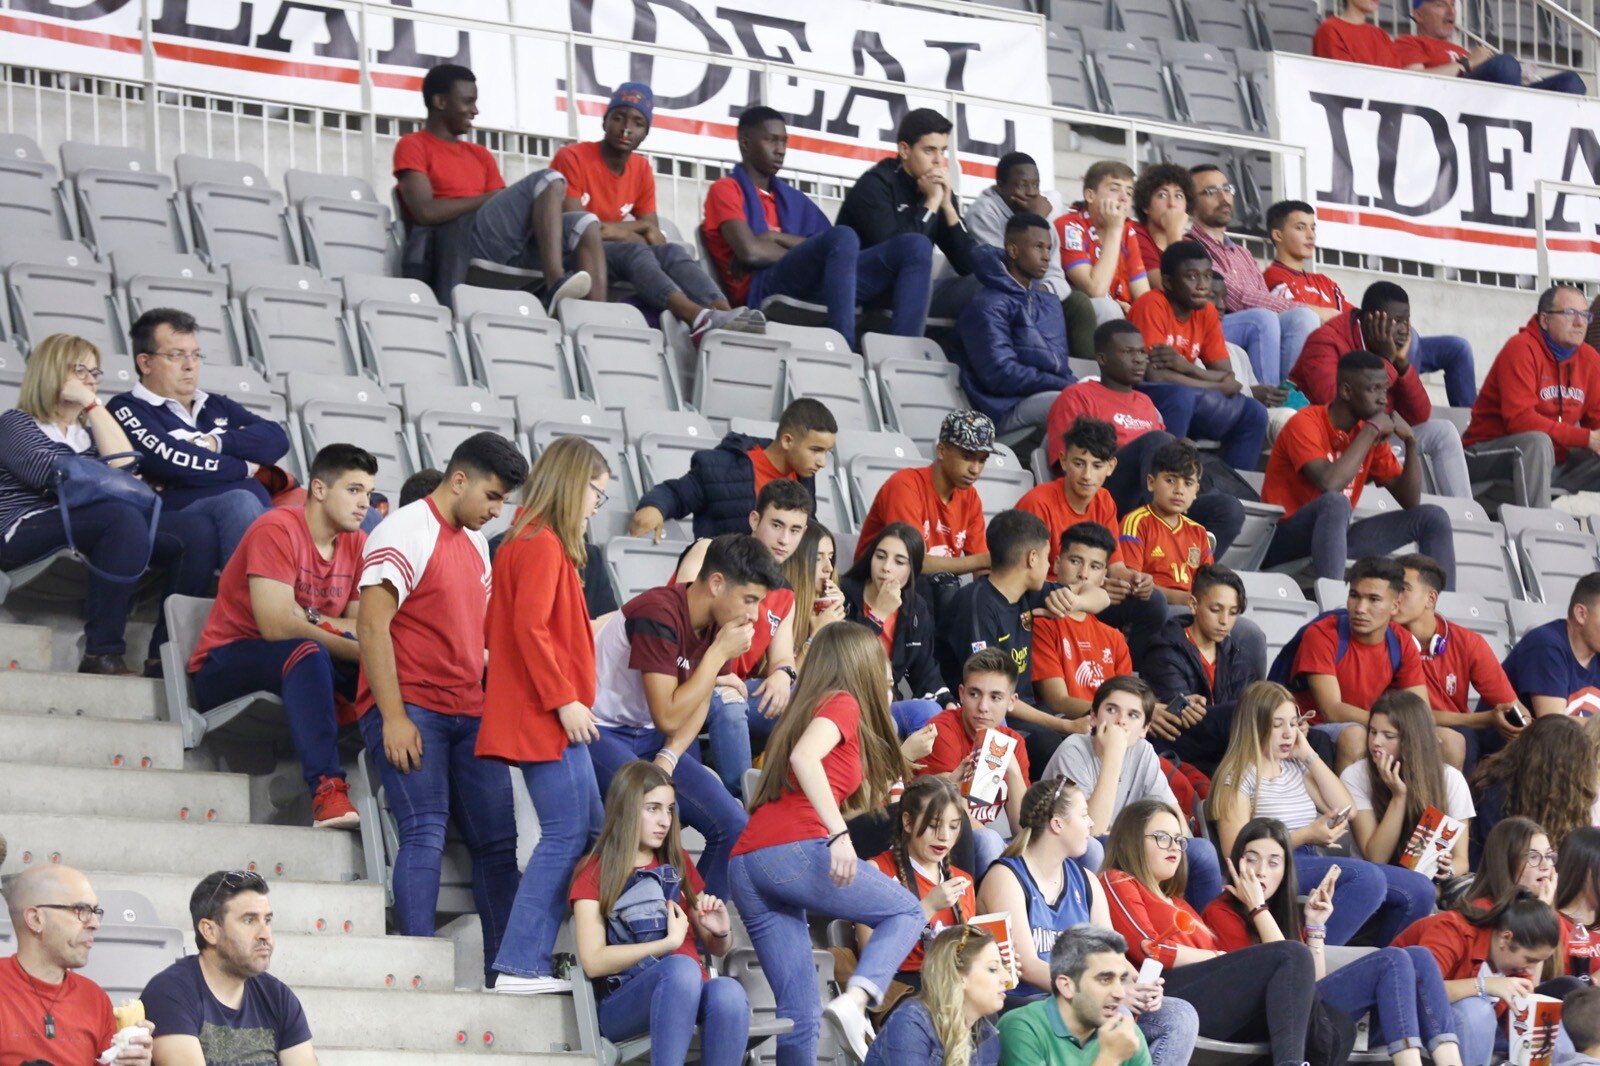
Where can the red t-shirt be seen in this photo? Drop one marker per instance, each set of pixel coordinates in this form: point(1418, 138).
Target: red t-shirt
point(1080, 246)
point(1430, 52)
point(278, 547)
point(725, 203)
point(1309, 435)
point(952, 743)
point(1315, 290)
point(1198, 340)
point(1168, 553)
point(440, 575)
point(82, 1011)
point(1208, 665)
point(1366, 43)
point(765, 470)
point(455, 169)
point(950, 530)
point(886, 628)
point(1227, 925)
point(1456, 659)
point(609, 196)
point(791, 818)
point(1132, 413)
point(1365, 672)
point(586, 885)
point(1082, 652)
point(1049, 501)
point(776, 605)
point(941, 920)
point(1148, 922)
point(1138, 234)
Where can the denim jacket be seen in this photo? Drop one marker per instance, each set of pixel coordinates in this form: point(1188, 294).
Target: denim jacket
point(908, 1037)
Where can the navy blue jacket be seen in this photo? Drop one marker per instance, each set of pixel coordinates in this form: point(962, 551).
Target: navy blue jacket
point(1014, 341)
point(184, 471)
point(719, 489)
point(1172, 667)
point(884, 203)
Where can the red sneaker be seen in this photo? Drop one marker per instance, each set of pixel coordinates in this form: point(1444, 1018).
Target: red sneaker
point(330, 805)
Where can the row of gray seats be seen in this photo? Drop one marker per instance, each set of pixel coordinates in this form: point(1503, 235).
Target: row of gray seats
point(1260, 25)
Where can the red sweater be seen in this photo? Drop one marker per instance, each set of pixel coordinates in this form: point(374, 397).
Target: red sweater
point(1151, 925)
point(1317, 369)
point(1527, 391)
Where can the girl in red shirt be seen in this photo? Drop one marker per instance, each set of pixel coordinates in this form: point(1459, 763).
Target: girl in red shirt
point(1401, 986)
point(1518, 857)
point(1578, 898)
point(541, 684)
point(931, 816)
point(644, 957)
point(833, 754)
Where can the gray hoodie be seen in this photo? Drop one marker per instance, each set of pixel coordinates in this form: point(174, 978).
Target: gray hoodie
point(986, 220)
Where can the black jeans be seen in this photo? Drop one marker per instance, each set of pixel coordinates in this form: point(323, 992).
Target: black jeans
point(1265, 989)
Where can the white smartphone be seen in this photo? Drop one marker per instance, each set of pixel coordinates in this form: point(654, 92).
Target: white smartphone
point(1337, 818)
point(1150, 972)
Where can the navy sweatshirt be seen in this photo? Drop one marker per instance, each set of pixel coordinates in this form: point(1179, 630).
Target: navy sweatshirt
point(184, 471)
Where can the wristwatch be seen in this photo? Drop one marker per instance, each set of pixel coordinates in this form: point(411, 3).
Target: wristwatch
point(313, 616)
point(793, 677)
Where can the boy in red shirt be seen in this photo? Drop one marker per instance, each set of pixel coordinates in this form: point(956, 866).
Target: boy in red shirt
point(1160, 538)
point(608, 179)
point(1099, 256)
point(1072, 655)
point(1292, 225)
point(939, 500)
point(283, 619)
point(1319, 464)
point(1350, 37)
point(1189, 377)
point(458, 207)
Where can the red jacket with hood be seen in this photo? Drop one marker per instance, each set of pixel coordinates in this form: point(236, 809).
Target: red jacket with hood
point(1317, 369)
point(1527, 390)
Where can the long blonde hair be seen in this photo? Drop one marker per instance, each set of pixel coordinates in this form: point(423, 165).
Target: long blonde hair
point(1247, 747)
point(617, 849)
point(1043, 801)
point(848, 658)
point(553, 496)
point(51, 360)
point(800, 570)
point(948, 960)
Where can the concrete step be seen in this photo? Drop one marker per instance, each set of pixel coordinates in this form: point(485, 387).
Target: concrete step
point(439, 1021)
point(155, 794)
point(408, 963)
point(54, 740)
point(274, 851)
point(24, 647)
point(393, 1057)
point(339, 909)
point(133, 699)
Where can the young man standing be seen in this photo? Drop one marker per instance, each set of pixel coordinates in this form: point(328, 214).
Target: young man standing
point(459, 208)
point(1324, 457)
point(768, 239)
point(723, 483)
point(284, 621)
point(1013, 335)
point(1098, 255)
point(1554, 669)
point(611, 181)
point(424, 590)
point(1190, 379)
point(939, 500)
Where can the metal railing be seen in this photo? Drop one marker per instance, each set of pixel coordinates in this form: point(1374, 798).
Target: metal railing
point(1550, 35)
point(1543, 190)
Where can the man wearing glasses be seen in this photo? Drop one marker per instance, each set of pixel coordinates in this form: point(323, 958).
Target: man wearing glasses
point(1537, 419)
point(47, 1012)
point(201, 451)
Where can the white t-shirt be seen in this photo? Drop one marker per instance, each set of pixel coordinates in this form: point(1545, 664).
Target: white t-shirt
point(1457, 797)
point(1283, 797)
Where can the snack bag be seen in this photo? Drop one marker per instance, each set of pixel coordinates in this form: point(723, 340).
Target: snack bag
point(1434, 836)
point(1533, 1022)
point(999, 927)
point(130, 1019)
point(993, 753)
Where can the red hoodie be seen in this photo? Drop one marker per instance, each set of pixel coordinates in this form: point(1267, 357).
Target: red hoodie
point(1527, 391)
point(1317, 369)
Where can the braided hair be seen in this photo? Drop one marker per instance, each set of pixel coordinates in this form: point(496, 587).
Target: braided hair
point(925, 801)
point(1043, 801)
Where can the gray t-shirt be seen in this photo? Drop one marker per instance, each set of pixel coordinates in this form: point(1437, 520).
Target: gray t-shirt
point(1141, 772)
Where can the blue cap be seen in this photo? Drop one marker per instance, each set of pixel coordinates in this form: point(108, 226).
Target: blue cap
point(634, 94)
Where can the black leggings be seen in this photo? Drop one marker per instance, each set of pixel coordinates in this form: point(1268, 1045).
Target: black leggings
point(1263, 990)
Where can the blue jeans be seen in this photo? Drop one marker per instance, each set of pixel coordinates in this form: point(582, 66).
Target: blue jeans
point(1453, 355)
point(658, 1002)
point(450, 783)
point(1237, 422)
point(566, 799)
point(1505, 70)
point(1323, 531)
point(833, 269)
point(1397, 895)
point(1477, 1029)
point(1171, 1032)
point(911, 715)
point(730, 725)
point(775, 887)
point(703, 802)
point(232, 512)
point(1272, 339)
point(1403, 986)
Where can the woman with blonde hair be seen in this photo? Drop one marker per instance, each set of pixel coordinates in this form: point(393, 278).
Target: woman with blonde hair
point(834, 754)
point(963, 983)
point(59, 413)
point(810, 572)
point(541, 685)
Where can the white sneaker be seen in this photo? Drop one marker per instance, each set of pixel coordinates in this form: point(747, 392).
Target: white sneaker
point(851, 1022)
point(511, 985)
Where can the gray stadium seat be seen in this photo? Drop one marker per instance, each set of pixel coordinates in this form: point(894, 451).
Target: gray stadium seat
point(575, 313)
point(1249, 548)
point(405, 335)
point(916, 395)
point(1484, 617)
point(1331, 594)
point(1206, 86)
point(56, 286)
point(294, 320)
point(738, 378)
point(257, 716)
point(1254, 68)
point(182, 281)
point(1224, 23)
point(547, 419)
point(638, 564)
point(1127, 76)
point(624, 367)
point(847, 393)
point(866, 475)
point(344, 227)
point(513, 346)
point(131, 946)
point(234, 211)
point(1526, 616)
point(1153, 20)
point(29, 203)
point(853, 442)
point(881, 346)
point(742, 965)
point(1066, 70)
point(1483, 562)
point(1555, 562)
point(664, 456)
point(639, 421)
point(1079, 14)
point(809, 338)
point(123, 200)
point(447, 415)
point(1285, 25)
point(1005, 480)
point(352, 410)
point(1276, 605)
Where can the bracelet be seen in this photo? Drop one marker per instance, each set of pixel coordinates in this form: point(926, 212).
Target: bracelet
point(673, 759)
point(836, 836)
point(91, 407)
point(1257, 910)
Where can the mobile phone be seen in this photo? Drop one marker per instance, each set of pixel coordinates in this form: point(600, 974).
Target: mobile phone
point(1150, 972)
point(1337, 818)
point(1516, 717)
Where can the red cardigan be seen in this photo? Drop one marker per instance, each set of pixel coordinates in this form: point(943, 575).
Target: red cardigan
point(541, 651)
point(1150, 924)
point(1317, 369)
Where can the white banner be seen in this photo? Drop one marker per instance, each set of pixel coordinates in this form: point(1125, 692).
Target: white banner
point(293, 51)
point(1440, 170)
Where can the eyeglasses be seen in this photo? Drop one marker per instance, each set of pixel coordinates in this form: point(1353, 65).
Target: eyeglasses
point(1572, 315)
point(1305, 718)
point(1226, 188)
point(1536, 860)
point(181, 357)
point(90, 372)
point(600, 496)
point(81, 911)
point(1166, 841)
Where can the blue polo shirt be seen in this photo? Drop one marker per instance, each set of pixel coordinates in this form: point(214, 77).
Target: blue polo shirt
point(1542, 664)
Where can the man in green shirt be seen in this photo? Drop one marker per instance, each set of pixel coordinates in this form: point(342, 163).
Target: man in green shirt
point(1083, 1023)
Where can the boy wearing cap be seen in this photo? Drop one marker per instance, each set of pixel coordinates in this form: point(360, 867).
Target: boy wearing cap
point(459, 208)
point(611, 181)
point(939, 501)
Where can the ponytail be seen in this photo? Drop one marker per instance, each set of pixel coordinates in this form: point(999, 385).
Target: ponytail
point(1043, 801)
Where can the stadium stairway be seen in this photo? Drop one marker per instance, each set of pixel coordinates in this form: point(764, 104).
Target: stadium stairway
point(92, 776)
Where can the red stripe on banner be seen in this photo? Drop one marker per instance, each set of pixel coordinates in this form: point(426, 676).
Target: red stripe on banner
point(1454, 233)
point(71, 34)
